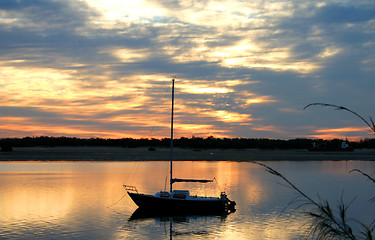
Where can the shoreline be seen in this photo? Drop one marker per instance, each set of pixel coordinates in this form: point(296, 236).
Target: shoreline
point(179, 154)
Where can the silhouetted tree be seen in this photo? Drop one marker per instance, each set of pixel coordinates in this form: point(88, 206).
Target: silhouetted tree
point(194, 142)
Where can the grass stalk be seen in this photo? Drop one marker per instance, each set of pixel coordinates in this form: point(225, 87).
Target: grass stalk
point(325, 222)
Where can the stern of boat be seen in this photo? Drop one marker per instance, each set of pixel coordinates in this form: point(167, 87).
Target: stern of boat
point(228, 204)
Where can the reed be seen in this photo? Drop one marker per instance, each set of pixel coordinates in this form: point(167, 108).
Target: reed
point(370, 124)
point(326, 222)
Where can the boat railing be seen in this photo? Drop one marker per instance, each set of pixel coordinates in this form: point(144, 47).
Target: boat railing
point(129, 188)
point(202, 197)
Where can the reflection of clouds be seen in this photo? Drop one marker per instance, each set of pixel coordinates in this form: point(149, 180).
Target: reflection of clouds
point(66, 199)
point(42, 202)
point(240, 176)
point(270, 226)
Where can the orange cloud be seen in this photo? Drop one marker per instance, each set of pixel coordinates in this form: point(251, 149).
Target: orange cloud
point(345, 129)
point(269, 129)
point(340, 133)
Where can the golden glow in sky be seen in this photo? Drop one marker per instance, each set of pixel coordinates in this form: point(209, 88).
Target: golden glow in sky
point(100, 68)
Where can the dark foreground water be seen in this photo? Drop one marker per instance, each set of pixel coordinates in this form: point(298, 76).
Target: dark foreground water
point(86, 200)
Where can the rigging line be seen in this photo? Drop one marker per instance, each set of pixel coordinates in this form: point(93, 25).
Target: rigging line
point(166, 91)
point(227, 178)
point(218, 185)
point(117, 201)
point(135, 164)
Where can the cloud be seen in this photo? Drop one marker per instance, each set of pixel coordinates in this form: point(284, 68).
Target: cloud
point(337, 13)
point(243, 69)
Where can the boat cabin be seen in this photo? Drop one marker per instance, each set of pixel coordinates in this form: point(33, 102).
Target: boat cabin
point(182, 194)
point(179, 194)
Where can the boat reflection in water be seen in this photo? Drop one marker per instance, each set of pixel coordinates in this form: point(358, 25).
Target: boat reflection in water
point(140, 213)
point(178, 218)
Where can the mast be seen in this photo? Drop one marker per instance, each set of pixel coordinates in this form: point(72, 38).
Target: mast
point(171, 157)
point(171, 179)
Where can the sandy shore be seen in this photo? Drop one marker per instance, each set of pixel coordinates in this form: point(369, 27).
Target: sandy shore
point(162, 154)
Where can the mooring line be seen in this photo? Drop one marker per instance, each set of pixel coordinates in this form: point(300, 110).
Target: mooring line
point(117, 201)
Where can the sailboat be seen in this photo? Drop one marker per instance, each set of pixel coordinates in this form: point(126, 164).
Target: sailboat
point(179, 201)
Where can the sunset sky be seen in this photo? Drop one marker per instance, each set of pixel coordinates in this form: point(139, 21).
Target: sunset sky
point(103, 68)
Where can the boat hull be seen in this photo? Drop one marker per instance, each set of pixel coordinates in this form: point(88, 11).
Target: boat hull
point(171, 205)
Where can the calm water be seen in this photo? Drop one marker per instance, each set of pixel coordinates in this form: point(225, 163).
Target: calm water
point(85, 200)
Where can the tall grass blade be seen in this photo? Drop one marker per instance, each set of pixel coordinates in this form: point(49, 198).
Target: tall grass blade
point(325, 223)
point(371, 126)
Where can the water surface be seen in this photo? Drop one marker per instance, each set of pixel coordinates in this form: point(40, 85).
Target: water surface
point(86, 200)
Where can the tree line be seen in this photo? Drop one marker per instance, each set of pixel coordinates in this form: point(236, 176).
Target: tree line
point(193, 142)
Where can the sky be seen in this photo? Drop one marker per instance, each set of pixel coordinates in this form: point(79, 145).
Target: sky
point(246, 69)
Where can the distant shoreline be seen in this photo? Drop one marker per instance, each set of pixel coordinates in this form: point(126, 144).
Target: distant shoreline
point(180, 154)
